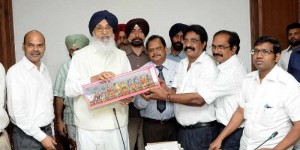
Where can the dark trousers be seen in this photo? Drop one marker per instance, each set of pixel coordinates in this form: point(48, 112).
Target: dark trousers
point(197, 138)
point(24, 142)
point(232, 142)
point(159, 131)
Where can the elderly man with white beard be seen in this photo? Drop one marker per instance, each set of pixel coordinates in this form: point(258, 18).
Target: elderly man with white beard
point(101, 60)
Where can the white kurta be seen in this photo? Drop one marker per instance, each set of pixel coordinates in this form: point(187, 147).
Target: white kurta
point(86, 63)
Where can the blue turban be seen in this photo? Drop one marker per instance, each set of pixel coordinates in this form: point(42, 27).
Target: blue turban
point(177, 28)
point(99, 16)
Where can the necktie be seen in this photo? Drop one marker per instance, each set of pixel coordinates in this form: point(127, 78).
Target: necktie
point(161, 105)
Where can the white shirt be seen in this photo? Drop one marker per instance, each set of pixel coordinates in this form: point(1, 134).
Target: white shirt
point(86, 63)
point(3, 115)
point(269, 106)
point(285, 58)
point(30, 97)
point(225, 89)
point(201, 72)
point(149, 108)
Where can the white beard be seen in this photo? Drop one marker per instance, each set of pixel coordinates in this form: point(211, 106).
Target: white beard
point(103, 44)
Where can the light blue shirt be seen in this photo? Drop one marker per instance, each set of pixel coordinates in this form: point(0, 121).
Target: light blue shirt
point(149, 108)
point(177, 58)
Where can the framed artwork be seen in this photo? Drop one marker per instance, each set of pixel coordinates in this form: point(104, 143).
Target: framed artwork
point(120, 87)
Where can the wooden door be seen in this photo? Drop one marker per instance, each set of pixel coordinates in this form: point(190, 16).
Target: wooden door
point(7, 48)
point(270, 17)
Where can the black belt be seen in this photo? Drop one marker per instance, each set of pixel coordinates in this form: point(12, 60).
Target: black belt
point(44, 128)
point(1, 133)
point(201, 125)
point(160, 121)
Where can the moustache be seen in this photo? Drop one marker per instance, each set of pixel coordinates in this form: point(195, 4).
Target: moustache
point(35, 52)
point(214, 54)
point(156, 55)
point(178, 43)
point(188, 47)
point(104, 37)
point(137, 39)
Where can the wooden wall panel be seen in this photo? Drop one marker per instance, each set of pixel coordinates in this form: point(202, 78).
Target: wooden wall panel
point(7, 49)
point(270, 17)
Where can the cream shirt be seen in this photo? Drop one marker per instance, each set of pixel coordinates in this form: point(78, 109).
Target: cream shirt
point(86, 63)
point(285, 58)
point(201, 72)
point(225, 89)
point(3, 115)
point(30, 97)
point(269, 106)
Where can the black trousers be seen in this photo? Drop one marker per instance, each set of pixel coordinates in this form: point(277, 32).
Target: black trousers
point(197, 138)
point(24, 142)
point(157, 131)
point(232, 142)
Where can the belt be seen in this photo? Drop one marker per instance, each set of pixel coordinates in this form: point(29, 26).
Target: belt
point(44, 128)
point(1, 133)
point(160, 121)
point(201, 125)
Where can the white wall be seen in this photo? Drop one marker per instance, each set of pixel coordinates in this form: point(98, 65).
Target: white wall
point(58, 18)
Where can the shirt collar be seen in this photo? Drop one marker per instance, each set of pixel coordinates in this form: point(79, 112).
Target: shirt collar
point(297, 49)
point(271, 76)
point(200, 59)
point(129, 50)
point(180, 55)
point(289, 48)
point(228, 63)
point(29, 65)
point(166, 64)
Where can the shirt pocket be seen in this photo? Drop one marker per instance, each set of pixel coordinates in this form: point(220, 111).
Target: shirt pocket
point(269, 115)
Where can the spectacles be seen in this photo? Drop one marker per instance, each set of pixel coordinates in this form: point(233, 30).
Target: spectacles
point(219, 47)
point(101, 29)
point(264, 52)
point(192, 41)
point(155, 49)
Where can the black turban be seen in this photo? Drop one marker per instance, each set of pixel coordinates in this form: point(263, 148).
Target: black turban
point(176, 28)
point(142, 23)
point(99, 16)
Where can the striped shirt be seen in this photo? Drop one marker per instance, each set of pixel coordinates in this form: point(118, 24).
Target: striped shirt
point(59, 91)
point(225, 89)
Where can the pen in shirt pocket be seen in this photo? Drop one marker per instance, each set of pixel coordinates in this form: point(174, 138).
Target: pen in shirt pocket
point(267, 106)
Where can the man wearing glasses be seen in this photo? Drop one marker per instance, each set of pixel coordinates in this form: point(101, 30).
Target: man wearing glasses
point(269, 103)
point(197, 119)
point(159, 120)
point(225, 89)
point(100, 60)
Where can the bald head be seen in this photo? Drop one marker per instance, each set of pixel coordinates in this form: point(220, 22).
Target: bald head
point(30, 32)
